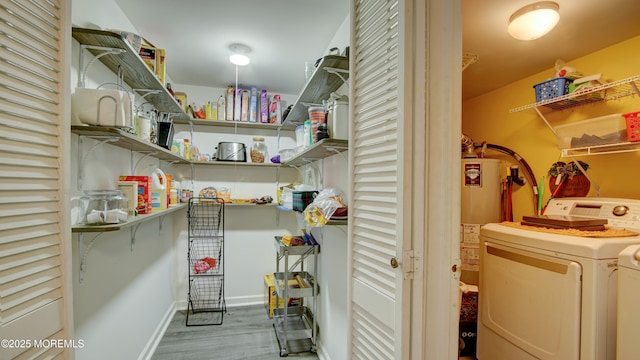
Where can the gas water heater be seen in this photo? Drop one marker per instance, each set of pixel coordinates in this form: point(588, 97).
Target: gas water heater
point(481, 204)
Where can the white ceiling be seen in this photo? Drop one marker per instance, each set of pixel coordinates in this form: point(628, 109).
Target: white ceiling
point(283, 34)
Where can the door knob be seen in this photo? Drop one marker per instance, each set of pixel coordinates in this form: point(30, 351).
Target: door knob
point(393, 262)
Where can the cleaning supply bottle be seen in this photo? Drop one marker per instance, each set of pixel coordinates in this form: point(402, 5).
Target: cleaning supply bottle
point(158, 191)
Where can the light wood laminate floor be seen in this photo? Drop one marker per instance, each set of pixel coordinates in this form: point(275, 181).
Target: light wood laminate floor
point(246, 333)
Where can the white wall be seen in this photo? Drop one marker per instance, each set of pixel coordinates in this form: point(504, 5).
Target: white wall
point(127, 295)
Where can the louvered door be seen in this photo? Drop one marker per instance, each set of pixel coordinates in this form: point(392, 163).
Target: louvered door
point(376, 165)
point(32, 137)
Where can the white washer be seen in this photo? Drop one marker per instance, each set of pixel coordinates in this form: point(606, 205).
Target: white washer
point(549, 296)
point(628, 346)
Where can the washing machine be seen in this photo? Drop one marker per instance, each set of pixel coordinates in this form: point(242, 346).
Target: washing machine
point(546, 295)
point(628, 346)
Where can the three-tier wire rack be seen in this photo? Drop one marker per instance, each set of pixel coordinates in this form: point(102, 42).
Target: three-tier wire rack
point(206, 302)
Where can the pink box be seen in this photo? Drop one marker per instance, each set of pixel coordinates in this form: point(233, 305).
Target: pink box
point(264, 107)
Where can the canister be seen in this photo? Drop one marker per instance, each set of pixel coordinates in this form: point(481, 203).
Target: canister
point(338, 118)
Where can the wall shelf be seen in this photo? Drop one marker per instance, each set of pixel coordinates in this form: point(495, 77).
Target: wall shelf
point(136, 220)
point(330, 74)
point(133, 69)
point(605, 92)
point(320, 150)
point(610, 91)
point(127, 140)
point(234, 163)
point(240, 124)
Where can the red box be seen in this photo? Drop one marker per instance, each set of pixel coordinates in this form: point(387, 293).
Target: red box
point(144, 192)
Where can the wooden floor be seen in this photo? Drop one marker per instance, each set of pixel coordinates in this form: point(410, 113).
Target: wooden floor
point(246, 333)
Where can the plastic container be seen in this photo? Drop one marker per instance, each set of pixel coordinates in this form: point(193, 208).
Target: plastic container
point(604, 130)
point(259, 150)
point(552, 88)
point(633, 126)
point(338, 119)
point(158, 191)
point(104, 207)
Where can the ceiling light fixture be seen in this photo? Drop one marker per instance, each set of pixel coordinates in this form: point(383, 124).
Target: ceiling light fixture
point(238, 56)
point(534, 20)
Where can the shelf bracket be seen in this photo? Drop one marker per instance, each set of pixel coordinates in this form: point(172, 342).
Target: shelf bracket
point(545, 121)
point(146, 155)
point(169, 163)
point(82, 158)
point(145, 92)
point(134, 230)
point(82, 70)
point(85, 253)
point(337, 72)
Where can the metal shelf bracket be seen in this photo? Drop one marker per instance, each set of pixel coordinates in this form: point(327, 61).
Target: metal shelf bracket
point(83, 157)
point(84, 254)
point(82, 70)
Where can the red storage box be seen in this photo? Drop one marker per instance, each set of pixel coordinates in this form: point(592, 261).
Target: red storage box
point(633, 126)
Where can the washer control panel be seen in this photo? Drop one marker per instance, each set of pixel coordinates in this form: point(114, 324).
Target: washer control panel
point(620, 213)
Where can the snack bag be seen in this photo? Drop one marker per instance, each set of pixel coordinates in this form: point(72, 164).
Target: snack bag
point(323, 206)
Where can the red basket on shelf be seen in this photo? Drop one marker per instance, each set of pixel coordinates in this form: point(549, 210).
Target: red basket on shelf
point(552, 88)
point(633, 126)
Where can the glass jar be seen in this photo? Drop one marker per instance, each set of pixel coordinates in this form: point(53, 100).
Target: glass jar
point(104, 207)
point(258, 150)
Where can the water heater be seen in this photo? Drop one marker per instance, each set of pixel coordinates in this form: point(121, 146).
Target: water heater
point(481, 204)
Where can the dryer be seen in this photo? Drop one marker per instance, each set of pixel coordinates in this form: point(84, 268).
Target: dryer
point(551, 296)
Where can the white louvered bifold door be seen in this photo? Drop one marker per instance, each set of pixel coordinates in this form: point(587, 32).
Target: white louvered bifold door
point(32, 307)
point(376, 166)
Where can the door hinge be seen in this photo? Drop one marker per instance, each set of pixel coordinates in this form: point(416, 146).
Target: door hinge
point(411, 264)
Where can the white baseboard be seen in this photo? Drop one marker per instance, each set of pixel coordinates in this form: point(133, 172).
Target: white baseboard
point(231, 302)
point(157, 335)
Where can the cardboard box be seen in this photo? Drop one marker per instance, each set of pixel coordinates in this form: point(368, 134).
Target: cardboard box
point(148, 55)
point(130, 190)
point(144, 192)
point(161, 69)
point(468, 332)
point(270, 295)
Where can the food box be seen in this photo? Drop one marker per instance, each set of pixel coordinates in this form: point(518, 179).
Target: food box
point(130, 190)
point(270, 295)
point(144, 192)
point(148, 55)
point(604, 130)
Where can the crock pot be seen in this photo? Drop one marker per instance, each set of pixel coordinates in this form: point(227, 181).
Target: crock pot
point(231, 151)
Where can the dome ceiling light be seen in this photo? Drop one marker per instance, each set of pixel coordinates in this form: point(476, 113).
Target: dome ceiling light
point(534, 20)
point(238, 56)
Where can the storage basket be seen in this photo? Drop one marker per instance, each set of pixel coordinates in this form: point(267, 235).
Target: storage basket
point(552, 88)
point(633, 126)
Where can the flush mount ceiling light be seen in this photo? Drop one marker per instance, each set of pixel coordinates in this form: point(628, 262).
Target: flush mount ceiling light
point(534, 21)
point(238, 56)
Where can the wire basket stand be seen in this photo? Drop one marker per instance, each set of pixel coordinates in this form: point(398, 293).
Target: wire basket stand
point(206, 303)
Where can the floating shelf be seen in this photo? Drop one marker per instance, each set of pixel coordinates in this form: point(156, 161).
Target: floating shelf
point(330, 74)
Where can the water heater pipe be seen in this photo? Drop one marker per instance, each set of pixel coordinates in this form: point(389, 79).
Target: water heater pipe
point(468, 145)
